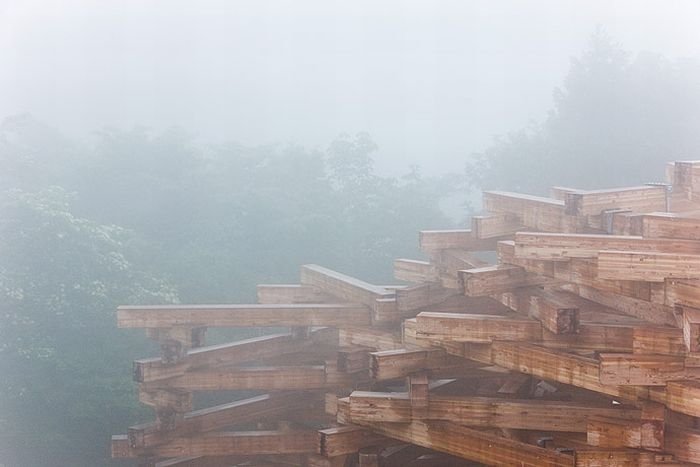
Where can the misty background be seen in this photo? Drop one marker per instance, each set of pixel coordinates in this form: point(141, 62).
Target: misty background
point(431, 81)
point(165, 152)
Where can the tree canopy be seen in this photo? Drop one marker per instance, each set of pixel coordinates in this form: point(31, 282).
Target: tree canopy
point(138, 217)
point(616, 120)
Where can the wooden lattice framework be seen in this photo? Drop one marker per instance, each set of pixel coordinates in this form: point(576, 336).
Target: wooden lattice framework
point(579, 346)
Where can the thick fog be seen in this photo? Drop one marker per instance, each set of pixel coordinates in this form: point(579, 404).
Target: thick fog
point(164, 152)
point(430, 81)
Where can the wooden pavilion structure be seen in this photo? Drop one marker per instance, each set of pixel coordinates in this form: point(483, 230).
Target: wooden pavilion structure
point(576, 344)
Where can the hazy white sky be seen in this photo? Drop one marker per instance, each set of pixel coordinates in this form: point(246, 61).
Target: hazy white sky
point(431, 81)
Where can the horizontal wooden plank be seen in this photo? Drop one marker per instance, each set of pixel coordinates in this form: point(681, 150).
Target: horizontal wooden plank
point(451, 261)
point(411, 270)
point(348, 439)
point(477, 328)
point(434, 240)
point(683, 397)
point(392, 364)
point(639, 369)
point(228, 443)
point(669, 225)
point(642, 309)
point(557, 366)
point(266, 378)
point(684, 292)
point(486, 412)
point(263, 378)
point(291, 293)
point(256, 348)
point(163, 316)
point(555, 246)
point(495, 279)
point(638, 199)
point(472, 444)
point(615, 433)
point(252, 409)
point(496, 225)
point(647, 266)
point(201, 461)
point(379, 339)
point(344, 287)
point(534, 212)
point(683, 443)
point(421, 296)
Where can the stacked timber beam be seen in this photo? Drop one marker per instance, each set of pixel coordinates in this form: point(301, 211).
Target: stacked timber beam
point(578, 344)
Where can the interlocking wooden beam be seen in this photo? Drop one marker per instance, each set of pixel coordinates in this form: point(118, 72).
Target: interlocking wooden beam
point(472, 444)
point(556, 246)
point(266, 378)
point(669, 225)
point(165, 316)
point(345, 287)
point(256, 348)
point(291, 293)
point(638, 199)
point(422, 296)
point(533, 211)
point(486, 412)
point(647, 266)
point(399, 363)
point(642, 370)
point(347, 439)
point(490, 280)
point(411, 270)
point(431, 241)
point(557, 366)
point(496, 225)
point(226, 443)
point(477, 328)
point(615, 433)
point(219, 417)
point(581, 347)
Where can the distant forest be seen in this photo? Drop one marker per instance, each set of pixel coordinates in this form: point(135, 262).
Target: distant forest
point(139, 217)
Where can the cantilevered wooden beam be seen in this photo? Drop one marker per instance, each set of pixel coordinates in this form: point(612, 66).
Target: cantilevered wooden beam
point(668, 225)
point(243, 411)
point(555, 246)
point(259, 377)
point(490, 280)
point(243, 315)
point(421, 296)
point(472, 444)
point(411, 270)
point(431, 241)
point(496, 225)
point(487, 412)
point(227, 443)
point(534, 212)
point(344, 287)
point(392, 364)
point(291, 293)
point(643, 370)
point(347, 439)
point(638, 199)
point(477, 328)
point(557, 366)
point(647, 266)
point(379, 339)
point(253, 349)
point(615, 433)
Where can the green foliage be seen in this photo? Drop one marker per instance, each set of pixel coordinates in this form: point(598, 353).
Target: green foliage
point(615, 121)
point(65, 365)
point(138, 217)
